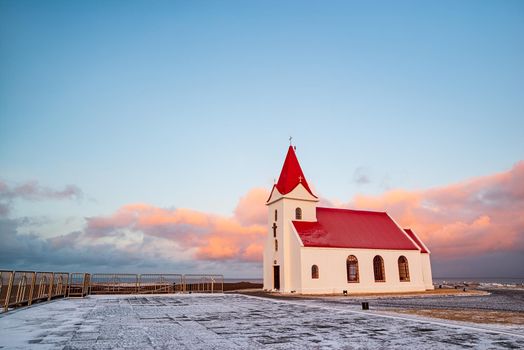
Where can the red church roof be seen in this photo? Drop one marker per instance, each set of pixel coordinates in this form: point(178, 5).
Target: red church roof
point(291, 175)
point(344, 228)
point(412, 235)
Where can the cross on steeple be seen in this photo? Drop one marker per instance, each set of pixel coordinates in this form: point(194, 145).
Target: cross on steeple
point(290, 139)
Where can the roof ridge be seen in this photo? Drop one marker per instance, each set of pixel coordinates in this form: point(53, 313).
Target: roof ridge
point(359, 210)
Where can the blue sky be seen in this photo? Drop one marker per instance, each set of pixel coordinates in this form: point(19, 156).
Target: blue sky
point(190, 104)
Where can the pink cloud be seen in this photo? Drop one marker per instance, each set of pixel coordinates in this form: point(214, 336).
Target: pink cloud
point(210, 236)
point(251, 208)
point(480, 215)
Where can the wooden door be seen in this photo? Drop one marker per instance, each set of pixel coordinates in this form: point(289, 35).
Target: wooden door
point(276, 277)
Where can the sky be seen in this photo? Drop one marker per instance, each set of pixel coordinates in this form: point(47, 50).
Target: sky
point(143, 136)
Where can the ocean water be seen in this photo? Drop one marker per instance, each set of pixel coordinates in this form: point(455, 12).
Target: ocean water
point(247, 279)
point(487, 280)
point(436, 280)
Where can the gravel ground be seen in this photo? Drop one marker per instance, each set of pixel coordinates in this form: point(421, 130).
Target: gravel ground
point(498, 300)
point(231, 321)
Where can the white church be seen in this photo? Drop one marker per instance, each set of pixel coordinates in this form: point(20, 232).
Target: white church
point(314, 250)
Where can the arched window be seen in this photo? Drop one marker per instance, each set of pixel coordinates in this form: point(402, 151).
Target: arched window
point(352, 268)
point(298, 214)
point(276, 245)
point(378, 269)
point(314, 271)
point(403, 269)
point(276, 215)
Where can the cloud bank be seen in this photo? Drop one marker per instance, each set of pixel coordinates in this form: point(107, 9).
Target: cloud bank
point(475, 227)
point(480, 215)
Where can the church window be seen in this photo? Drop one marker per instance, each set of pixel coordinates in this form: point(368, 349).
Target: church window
point(298, 214)
point(352, 268)
point(378, 269)
point(403, 269)
point(274, 227)
point(276, 215)
point(276, 245)
point(314, 272)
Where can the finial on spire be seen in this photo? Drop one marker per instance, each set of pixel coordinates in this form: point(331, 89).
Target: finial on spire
point(290, 140)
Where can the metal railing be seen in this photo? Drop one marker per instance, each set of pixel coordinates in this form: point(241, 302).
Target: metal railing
point(21, 288)
point(203, 283)
point(114, 283)
point(155, 283)
point(79, 285)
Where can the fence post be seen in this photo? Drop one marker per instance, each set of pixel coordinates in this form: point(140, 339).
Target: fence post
point(32, 290)
point(68, 286)
point(51, 283)
point(86, 284)
point(9, 288)
point(64, 285)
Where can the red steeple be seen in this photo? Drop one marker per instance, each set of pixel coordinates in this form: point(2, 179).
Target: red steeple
point(291, 174)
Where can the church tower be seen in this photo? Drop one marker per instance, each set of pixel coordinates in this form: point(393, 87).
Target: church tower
point(291, 199)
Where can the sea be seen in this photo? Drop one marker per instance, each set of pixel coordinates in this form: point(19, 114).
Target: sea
point(436, 280)
point(481, 280)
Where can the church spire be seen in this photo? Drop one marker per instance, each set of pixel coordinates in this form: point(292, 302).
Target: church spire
point(291, 175)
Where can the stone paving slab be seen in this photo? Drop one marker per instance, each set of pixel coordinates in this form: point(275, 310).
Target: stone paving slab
point(229, 322)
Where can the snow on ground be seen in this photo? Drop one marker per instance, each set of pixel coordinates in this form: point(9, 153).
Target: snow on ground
point(229, 322)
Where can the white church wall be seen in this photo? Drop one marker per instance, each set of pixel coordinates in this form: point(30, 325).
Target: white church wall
point(333, 277)
point(295, 261)
point(270, 255)
point(291, 241)
point(267, 265)
point(426, 271)
point(288, 254)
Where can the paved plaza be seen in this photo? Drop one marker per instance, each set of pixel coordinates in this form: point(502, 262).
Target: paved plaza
point(231, 321)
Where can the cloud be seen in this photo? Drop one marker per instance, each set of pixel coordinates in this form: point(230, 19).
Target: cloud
point(361, 176)
point(476, 225)
point(478, 216)
point(32, 191)
point(145, 233)
point(209, 236)
point(4, 210)
point(251, 208)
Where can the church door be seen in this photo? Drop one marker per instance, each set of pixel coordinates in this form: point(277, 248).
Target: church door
point(276, 277)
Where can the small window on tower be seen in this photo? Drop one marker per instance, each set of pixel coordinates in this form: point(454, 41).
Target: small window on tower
point(276, 245)
point(298, 214)
point(276, 215)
